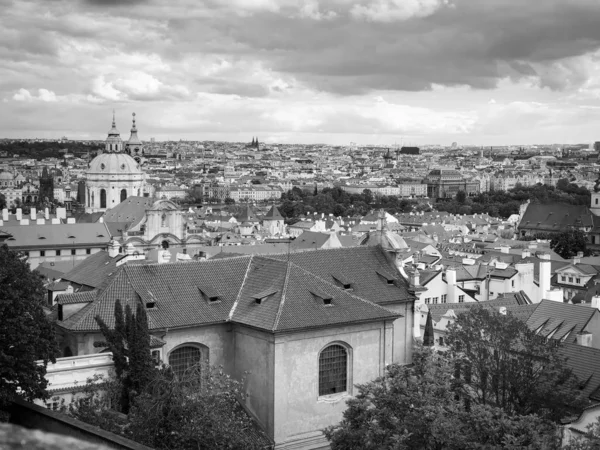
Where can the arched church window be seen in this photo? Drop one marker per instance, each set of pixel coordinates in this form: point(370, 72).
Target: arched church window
point(102, 198)
point(163, 220)
point(123, 194)
point(333, 370)
point(188, 357)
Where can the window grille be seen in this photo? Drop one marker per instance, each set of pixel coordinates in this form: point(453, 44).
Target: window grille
point(333, 370)
point(184, 358)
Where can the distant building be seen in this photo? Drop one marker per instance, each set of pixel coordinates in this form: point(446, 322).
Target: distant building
point(445, 183)
point(410, 150)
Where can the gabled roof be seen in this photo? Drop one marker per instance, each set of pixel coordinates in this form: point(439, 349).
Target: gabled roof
point(560, 319)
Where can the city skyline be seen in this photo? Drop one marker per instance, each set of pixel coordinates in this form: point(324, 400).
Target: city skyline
point(373, 72)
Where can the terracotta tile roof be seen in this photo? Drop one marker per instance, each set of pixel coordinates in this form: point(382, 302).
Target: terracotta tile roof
point(93, 270)
point(179, 295)
point(585, 363)
point(131, 210)
point(437, 311)
point(357, 263)
point(79, 297)
point(555, 217)
point(561, 318)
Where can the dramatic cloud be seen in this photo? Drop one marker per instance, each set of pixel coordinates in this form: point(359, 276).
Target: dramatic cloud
point(431, 70)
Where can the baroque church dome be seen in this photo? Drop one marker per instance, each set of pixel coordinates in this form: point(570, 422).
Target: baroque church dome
point(114, 164)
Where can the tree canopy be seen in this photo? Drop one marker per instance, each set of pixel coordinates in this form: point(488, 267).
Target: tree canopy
point(507, 365)
point(568, 243)
point(421, 406)
point(26, 336)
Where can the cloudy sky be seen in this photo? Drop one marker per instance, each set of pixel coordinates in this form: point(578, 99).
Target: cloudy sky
point(484, 72)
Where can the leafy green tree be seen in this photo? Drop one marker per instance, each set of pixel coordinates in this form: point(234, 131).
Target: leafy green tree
point(26, 336)
point(568, 243)
point(461, 197)
point(229, 201)
point(420, 406)
point(505, 364)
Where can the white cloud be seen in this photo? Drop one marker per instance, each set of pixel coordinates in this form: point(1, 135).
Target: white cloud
point(23, 95)
point(44, 95)
point(395, 10)
point(105, 90)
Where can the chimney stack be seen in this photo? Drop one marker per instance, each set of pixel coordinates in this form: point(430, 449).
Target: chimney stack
point(113, 248)
point(451, 282)
point(584, 339)
point(19, 214)
point(33, 214)
point(5, 214)
point(46, 214)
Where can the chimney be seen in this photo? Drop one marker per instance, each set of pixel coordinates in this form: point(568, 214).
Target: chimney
point(415, 278)
point(164, 256)
point(584, 339)
point(544, 277)
point(46, 214)
point(502, 310)
point(33, 214)
point(129, 249)
point(451, 282)
point(19, 214)
point(526, 253)
point(595, 302)
point(5, 214)
point(113, 249)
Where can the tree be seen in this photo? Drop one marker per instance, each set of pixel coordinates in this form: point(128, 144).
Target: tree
point(418, 407)
point(129, 342)
point(505, 364)
point(198, 410)
point(568, 243)
point(26, 336)
point(229, 201)
point(461, 197)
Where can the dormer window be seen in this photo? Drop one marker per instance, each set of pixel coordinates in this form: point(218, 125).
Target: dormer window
point(326, 299)
point(342, 282)
point(261, 297)
point(150, 305)
point(210, 294)
point(387, 277)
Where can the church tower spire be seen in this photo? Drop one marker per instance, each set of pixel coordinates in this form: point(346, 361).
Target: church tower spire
point(134, 145)
point(113, 143)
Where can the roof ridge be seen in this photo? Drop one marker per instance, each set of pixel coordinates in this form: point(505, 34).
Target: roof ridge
point(237, 298)
point(283, 296)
